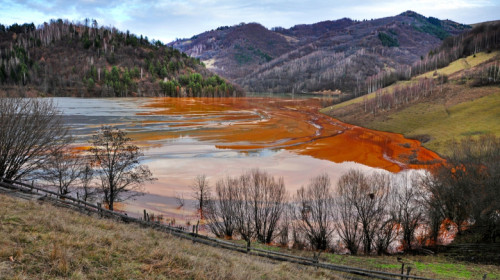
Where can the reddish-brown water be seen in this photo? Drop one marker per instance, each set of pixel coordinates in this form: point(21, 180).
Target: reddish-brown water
point(184, 137)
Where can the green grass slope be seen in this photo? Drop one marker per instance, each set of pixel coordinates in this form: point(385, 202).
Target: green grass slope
point(456, 109)
point(444, 124)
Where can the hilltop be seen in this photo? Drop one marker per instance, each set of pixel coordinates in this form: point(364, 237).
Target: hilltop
point(329, 55)
point(63, 58)
point(454, 93)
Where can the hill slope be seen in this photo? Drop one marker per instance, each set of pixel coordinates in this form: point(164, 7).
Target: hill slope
point(71, 59)
point(457, 100)
point(328, 55)
point(40, 241)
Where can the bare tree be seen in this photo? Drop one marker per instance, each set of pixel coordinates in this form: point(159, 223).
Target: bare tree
point(244, 209)
point(219, 210)
point(368, 196)
point(348, 224)
point(267, 197)
point(409, 210)
point(314, 212)
point(87, 189)
point(30, 131)
point(117, 163)
point(388, 230)
point(62, 169)
point(285, 225)
point(179, 198)
point(201, 192)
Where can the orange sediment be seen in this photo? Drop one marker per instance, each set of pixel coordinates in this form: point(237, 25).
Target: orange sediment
point(247, 124)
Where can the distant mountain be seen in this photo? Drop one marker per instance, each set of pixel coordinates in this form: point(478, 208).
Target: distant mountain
point(328, 55)
point(62, 58)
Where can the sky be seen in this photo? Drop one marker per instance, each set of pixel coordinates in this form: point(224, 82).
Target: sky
point(167, 20)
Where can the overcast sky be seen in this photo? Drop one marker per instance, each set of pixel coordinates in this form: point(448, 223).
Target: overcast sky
point(167, 20)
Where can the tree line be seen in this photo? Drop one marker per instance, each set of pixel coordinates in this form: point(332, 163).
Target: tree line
point(45, 58)
point(375, 213)
point(484, 37)
point(401, 95)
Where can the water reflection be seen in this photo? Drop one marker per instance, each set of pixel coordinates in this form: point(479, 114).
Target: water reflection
point(184, 137)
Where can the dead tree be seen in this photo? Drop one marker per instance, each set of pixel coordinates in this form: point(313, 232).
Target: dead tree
point(31, 131)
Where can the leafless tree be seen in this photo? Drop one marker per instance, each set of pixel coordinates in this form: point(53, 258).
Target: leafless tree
point(219, 210)
point(179, 199)
point(201, 192)
point(243, 209)
point(409, 210)
point(348, 225)
point(313, 212)
point(62, 169)
point(267, 197)
point(31, 131)
point(368, 195)
point(388, 229)
point(285, 226)
point(117, 163)
point(87, 189)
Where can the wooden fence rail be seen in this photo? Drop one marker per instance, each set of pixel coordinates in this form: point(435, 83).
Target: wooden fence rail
point(86, 207)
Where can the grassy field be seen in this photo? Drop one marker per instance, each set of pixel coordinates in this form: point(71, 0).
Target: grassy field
point(462, 64)
point(40, 241)
point(436, 267)
point(454, 111)
point(454, 67)
point(444, 124)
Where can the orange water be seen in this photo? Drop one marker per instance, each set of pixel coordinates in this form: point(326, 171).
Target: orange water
point(249, 124)
point(185, 137)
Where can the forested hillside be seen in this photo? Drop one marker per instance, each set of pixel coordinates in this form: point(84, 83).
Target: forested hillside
point(453, 93)
point(63, 58)
point(331, 55)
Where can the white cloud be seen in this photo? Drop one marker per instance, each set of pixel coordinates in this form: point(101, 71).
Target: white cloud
point(170, 19)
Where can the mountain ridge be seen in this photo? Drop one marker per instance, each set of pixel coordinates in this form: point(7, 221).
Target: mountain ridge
point(301, 60)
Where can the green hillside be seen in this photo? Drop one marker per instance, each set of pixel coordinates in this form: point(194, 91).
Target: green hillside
point(458, 104)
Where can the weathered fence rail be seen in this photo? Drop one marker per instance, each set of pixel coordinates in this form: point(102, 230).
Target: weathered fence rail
point(88, 208)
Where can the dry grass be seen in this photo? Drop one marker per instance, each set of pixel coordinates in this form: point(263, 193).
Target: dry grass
point(454, 67)
point(462, 64)
point(40, 241)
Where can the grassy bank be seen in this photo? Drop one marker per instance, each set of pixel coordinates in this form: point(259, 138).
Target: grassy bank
point(441, 123)
point(40, 241)
point(455, 110)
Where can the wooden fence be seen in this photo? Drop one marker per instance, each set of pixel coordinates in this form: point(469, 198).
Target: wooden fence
point(90, 208)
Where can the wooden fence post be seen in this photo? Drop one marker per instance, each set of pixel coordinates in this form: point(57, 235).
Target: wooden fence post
point(408, 269)
point(402, 270)
point(99, 209)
